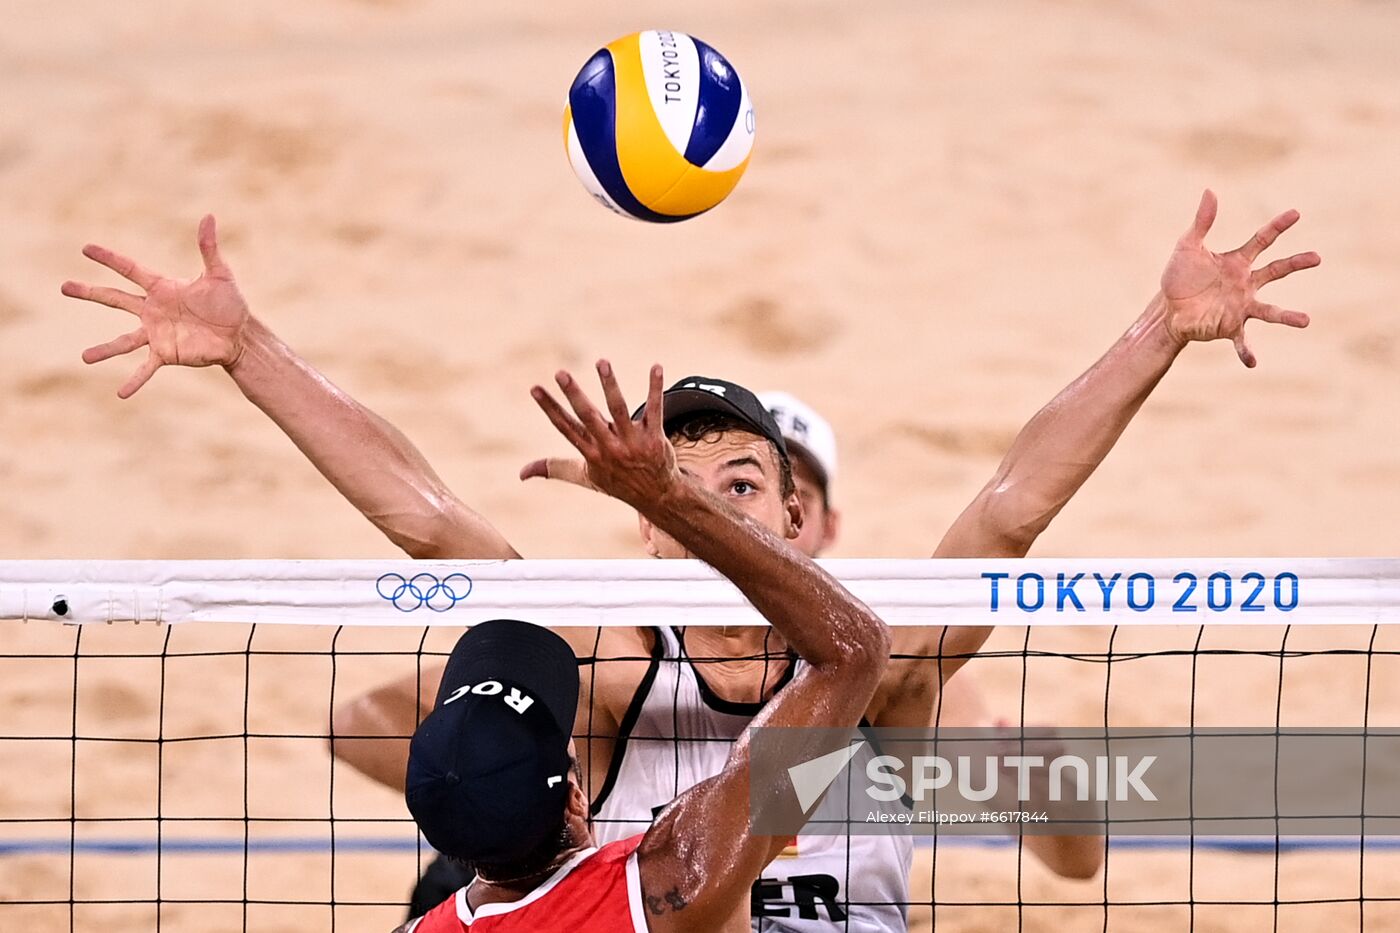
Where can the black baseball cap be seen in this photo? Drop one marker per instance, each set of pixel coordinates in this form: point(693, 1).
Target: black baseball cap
point(705, 394)
point(488, 770)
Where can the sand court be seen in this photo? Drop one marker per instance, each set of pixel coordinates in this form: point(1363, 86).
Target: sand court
point(951, 212)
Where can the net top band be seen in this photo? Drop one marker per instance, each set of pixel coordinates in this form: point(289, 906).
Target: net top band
point(1156, 591)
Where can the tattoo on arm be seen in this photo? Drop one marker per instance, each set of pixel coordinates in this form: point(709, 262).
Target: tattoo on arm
point(672, 900)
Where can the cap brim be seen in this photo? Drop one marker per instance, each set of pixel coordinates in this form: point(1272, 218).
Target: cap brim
point(677, 403)
point(681, 402)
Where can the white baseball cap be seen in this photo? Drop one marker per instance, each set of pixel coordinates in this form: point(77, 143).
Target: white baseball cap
point(803, 427)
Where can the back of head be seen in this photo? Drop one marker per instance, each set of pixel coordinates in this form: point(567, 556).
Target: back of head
point(488, 769)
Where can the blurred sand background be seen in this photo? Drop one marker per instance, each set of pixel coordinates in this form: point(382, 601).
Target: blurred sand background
point(951, 211)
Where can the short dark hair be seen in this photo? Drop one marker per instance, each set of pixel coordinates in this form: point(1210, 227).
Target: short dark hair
point(531, 865)
point(695, 428)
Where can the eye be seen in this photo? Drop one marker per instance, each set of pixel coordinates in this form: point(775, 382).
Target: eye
point(742, 487)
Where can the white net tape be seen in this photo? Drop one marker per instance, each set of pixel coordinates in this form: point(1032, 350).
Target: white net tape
point(1166, 591)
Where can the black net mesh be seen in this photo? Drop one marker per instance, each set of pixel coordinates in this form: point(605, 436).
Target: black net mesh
point(182, 777)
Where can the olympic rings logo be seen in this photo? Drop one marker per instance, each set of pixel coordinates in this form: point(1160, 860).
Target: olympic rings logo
point(424, 589)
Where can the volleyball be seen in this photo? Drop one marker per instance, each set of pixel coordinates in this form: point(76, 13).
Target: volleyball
point(658, 126)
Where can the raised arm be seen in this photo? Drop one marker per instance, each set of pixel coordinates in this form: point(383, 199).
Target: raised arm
point(1204, 296)
point(206, 322)
point(699, 860)
point(366, 458)
point(371, 732)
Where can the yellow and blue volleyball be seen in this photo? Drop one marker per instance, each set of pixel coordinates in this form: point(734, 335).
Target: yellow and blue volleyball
point(658, 126)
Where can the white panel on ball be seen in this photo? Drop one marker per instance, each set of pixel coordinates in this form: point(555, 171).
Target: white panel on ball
point(671, 65)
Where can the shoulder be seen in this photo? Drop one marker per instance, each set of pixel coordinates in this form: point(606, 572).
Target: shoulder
point(441, 919)
point(617, 852)
point(591, 643)
point(623, 847)
point(624, 642)
point(615, 663)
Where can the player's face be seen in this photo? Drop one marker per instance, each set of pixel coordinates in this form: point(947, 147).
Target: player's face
point(743, 470)
point(819, 524)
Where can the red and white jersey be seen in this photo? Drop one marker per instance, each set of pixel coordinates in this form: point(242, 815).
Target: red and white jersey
point(596, 891)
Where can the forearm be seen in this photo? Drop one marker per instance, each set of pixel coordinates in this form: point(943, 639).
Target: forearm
point(371, 732)
point(367, 459)
point(1059, 449)
point(372, 740)
point(384, 761)
point(823, 622)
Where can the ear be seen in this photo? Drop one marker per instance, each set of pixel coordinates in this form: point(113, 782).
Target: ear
point(578, 800)
point(795, 516)
point(648, 531)
point(831, 528)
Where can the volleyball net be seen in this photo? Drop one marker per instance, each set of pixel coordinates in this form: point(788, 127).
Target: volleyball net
point(167, 742)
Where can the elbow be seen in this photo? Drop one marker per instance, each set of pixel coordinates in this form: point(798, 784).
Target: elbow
point(349, 721)
point(859, 651)
point(1082, 869)
point(1079, 858)
point(421, 537)
point(1014, 518)
point(869, 653)
point(421, 550)
point(441, 528)
point(424, 522)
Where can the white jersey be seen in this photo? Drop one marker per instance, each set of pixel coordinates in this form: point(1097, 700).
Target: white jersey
point(675, 734)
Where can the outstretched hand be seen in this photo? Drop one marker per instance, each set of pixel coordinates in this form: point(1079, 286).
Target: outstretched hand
point(628, 460)
point(1210, 295)
point(185, 322)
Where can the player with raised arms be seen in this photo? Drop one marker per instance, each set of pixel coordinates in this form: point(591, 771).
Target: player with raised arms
point(811, 445)
point(492, 775)
point(733, 450)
